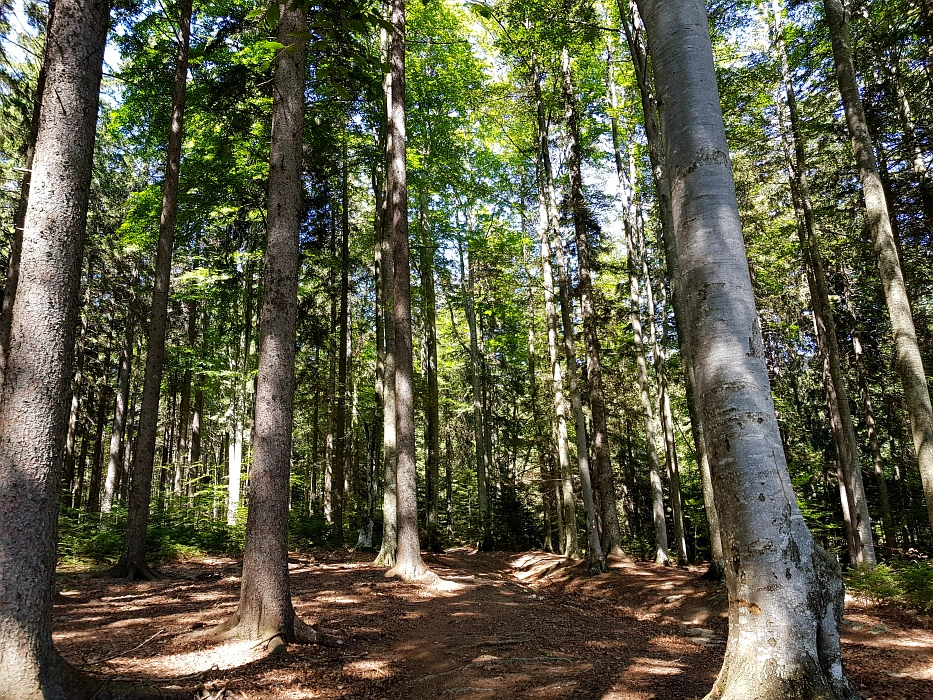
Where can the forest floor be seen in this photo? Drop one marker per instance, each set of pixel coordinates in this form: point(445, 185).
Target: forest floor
point(508, 626)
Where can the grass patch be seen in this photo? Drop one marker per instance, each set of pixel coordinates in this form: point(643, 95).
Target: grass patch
point(905, 585)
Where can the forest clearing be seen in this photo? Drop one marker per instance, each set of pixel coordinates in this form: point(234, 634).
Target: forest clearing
point(466, 348)
point(526, 625)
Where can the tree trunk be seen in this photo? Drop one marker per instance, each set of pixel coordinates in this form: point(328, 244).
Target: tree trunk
point(432, 398)
point(182, 443)
point(599, 439)
point(265, 611)
point(639, 52)
point(97, 463)
point(909, 362)
point(594, 548)
point(132, 562)
point(19, 215)
point(340, 443)
point(785, 593)
point(408, 566)
point(837, 398)
point(476, 379)
point(34, 406)
point(389, 548)
point(117, 442)
point(234, 471)
point(71, 439)
point(547, 216)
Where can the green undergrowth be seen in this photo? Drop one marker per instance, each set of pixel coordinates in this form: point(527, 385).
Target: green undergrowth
point(901, 584)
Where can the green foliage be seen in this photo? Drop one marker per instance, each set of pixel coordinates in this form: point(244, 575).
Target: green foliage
point(908, 585)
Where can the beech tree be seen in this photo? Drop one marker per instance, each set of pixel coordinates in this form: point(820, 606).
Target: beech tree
point(785, 592)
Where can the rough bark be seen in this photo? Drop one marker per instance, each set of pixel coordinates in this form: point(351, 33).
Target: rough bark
point(408, 565)
point(19, 214)
point(785, 593)
point(599, 439)
point(265, 611)
point(389, 547)
point(908, 360)
point(132, 562)
point(183, 439)
point(34, 408)
point(97, 463)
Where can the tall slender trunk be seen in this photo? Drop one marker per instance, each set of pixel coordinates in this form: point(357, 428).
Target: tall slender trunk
point(639, 51)
point(909, 362)
point(599, 439)
point(547, 220)
point(117, 434)
point(265, 611)
point(182, 443)
point(340, 422)
point(860, 536)
point(72, 434)
point(432, 398)
point(476, 380)
point(785, 593)
point(132, 563)
point(389, 548)
point(631, 223)
point(97, 464)
point(594, 548)
point(34, 406)
point(409, 565)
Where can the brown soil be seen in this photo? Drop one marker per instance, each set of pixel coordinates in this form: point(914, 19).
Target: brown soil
point(506, 626)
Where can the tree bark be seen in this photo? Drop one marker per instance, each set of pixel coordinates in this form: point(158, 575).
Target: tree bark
point(265, 611)
point(132, 562)
point(639, 52)
point(184, 418)
point(909, 362)
point(785, 593)
point(34, 406)
point(408, 566)
point(599, 439)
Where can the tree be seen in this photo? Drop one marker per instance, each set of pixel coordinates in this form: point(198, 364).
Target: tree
point(34, 406)
point(909, 361)
point(785, 592)
point(409, 565)
point(132, 563)
point(265, 611)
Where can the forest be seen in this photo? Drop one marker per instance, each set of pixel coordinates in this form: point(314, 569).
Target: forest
point(597, 336)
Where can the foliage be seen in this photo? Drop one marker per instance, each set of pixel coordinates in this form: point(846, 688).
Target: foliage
point(904, 584)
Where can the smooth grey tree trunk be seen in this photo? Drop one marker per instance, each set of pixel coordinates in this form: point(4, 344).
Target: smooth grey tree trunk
point(409, 565)
point(785, 593)
point(265, 611)
point(639, 53)
point(909, 362)
point(132, 562)
point(34, 407)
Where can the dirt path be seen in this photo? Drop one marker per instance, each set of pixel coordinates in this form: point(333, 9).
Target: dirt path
point(513, 626)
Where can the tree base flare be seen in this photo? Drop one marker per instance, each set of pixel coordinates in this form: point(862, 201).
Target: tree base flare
point(386, 557)
point(132, 572)
point(413, 574)
point(275, 641)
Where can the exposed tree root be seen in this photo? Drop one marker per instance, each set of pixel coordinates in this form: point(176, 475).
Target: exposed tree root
point(132, 572)
point(413, 574)
point(618, 554)
point(385, 558)
point(275, 641)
